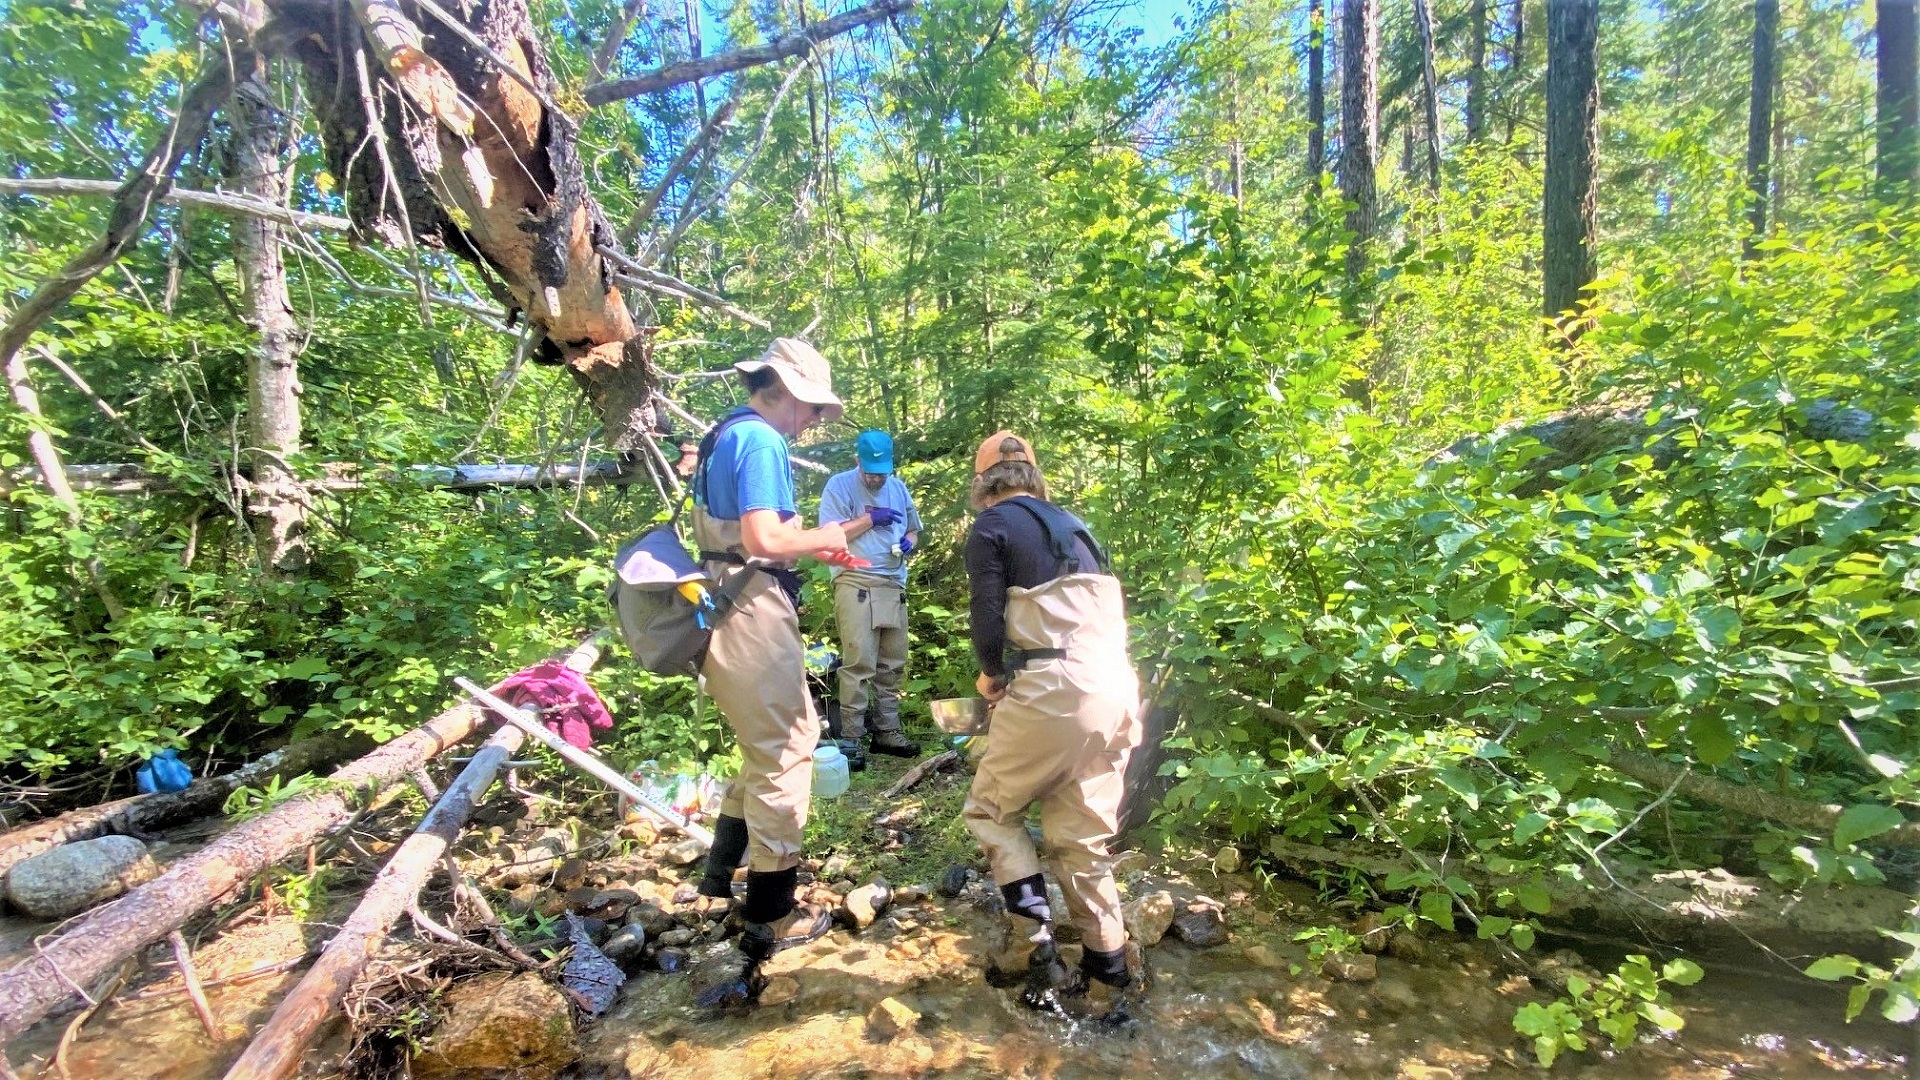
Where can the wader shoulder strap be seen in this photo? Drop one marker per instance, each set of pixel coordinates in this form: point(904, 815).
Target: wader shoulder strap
point(707, 442)
point(1062, 528)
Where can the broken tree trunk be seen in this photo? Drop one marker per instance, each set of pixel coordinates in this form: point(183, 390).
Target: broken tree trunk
point(97, 943)
point(278, 1047)
point(145, 813)
point(276, 506)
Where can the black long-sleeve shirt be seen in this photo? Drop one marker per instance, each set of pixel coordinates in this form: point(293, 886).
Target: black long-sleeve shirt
point(1007, 549)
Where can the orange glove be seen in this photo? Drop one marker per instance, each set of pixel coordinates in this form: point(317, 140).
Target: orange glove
point(843, 559)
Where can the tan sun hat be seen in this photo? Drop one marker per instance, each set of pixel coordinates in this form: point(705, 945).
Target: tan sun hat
point(991, 454)
point(802, 370)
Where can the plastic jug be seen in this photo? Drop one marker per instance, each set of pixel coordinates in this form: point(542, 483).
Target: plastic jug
point(830, 773)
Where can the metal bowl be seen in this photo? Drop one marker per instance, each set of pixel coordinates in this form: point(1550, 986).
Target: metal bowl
point(960, 716)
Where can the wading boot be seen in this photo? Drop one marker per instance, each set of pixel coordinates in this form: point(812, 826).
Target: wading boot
point(1026, 925)
point(855, 752)
point(773, 921)
point(893, 744)
point(1114, 985)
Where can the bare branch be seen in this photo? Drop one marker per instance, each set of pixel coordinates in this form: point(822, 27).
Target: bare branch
point(720, 192)
point(632, 273)
point(630, 13)
point(673, 75)
point(198, 200)
point(722, 117)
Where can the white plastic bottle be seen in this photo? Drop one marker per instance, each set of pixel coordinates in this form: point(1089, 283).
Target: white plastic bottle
point(830, 773)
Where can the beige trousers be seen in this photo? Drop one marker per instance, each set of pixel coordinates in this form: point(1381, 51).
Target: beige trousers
point(1061, 738)
point(872, 616)
point(755, 672)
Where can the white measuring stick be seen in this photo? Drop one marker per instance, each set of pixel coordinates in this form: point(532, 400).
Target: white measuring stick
point(584, 760)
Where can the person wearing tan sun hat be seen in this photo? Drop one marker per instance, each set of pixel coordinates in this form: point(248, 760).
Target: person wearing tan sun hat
point(746, 521)
point(1050, 635)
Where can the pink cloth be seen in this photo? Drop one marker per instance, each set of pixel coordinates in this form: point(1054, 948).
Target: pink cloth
point(566, 702)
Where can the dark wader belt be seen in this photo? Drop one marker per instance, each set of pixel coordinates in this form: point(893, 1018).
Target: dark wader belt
point(1020, 658)
point(787, 578)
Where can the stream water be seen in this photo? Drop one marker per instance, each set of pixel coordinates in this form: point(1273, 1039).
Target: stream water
point(1236, 1010)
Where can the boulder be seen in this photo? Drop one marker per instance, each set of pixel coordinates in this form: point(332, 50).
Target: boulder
point(1149, 917)
point(497, 1027)
point(1201, 923)
point(1350, 967)
point(889, 1018)
point(74, 877)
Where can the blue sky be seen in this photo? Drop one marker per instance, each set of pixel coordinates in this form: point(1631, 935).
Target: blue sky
point(1156, 18)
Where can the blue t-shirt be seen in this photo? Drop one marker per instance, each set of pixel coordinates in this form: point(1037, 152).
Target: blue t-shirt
point(748, 471)
point(845, 498)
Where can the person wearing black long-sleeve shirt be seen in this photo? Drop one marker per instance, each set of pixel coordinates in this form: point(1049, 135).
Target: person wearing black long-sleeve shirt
point(1049, 631)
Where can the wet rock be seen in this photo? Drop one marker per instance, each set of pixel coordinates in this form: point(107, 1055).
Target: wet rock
point(626, 946)
point(1264, 956)
point(889, 1018)
point(650, 915)
point(74, 877)
point(685, 894)
point(685, 853)
point(671, 961)
point(721, 978)
point(1201, 923)
point(954, 881)
point(1149, 918)
point(1350, 967)
point(581, 898)
point(1373, 931)
point(571, 875)
point(865, 903)
point(680, 936)
point(780, 990)
point(1394, 993)
point(909, 894)
point(1406, 945)
point(610, 903)
point(499, 1027)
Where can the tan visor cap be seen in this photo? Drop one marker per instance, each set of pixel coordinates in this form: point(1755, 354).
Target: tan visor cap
point(802, 370)
point(991, 454)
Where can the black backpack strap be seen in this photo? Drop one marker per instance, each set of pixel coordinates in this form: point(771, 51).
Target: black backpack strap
point(1062, 528)
point(707, 442)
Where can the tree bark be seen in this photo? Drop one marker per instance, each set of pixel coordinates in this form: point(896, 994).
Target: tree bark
point(146, 813)
point(278, 1047)
point(1897, 100)
point(1816, 818)
point(1766, 35)
point(1573, 153)
point(276, 503)
point(1430, 87)
point(1316, 97)
point(199, 200)
point(1476, 70)
point(1359, 125)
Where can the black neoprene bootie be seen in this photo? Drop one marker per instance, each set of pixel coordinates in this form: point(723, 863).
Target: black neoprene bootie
point(774, 921)
point(723, 858)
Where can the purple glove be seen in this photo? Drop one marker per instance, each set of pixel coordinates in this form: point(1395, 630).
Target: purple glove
point(906, 546)
point(883, 516)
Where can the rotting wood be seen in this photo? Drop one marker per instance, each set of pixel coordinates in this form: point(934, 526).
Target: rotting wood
point(98, 941)
point(920, 772)
point(145, 813)
point(277, 1048)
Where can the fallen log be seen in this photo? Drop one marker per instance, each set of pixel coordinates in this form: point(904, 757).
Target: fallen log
point(278, 1047)
point(943, 760)
point(1685, 907)
point(145, 813)
point(97, 942)
point(1816, 818)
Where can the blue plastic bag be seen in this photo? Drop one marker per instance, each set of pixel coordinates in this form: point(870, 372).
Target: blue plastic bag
point(163, 772)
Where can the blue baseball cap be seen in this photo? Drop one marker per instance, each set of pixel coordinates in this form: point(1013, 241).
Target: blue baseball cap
point(875, 451)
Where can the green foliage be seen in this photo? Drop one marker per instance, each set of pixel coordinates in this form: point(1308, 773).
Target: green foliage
point(1614, 1007)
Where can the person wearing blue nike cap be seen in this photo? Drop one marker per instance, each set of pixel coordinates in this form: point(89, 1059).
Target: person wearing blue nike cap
point(870, 605)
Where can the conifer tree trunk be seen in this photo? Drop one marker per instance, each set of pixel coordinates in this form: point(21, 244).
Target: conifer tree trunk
point(1573, 152)
point(1430, 86)
point(1516, 54)
point(1766, 32)
point(1316, 96)
point(1359, 124)
point(276, 504)
point(1476, 70)
point(1897, 101)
